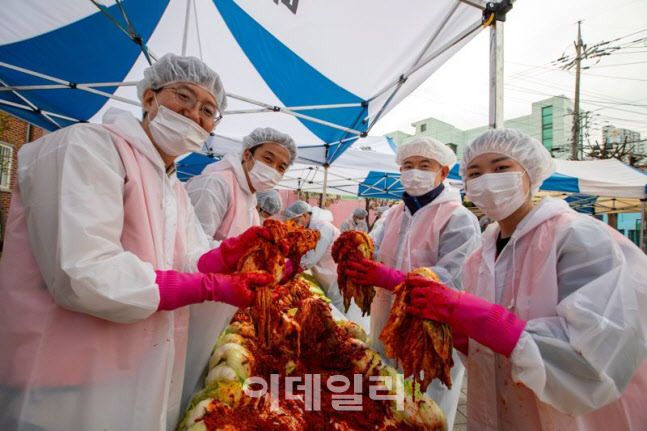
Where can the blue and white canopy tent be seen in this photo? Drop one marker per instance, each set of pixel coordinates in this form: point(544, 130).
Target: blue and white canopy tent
point(324, 71)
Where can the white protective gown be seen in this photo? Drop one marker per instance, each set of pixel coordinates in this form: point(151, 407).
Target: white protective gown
point(580, 361)
point(440, 236)
point(349, 224)
point(82, 346)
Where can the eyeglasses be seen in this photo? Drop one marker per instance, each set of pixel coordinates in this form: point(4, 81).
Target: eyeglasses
point(208, 111)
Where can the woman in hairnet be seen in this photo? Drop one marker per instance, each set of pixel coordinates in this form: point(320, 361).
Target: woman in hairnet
point(101, 256)
point(430, 228)
point(224, 199)
point(553, 318)
point(319, 260)
point(357, 221)
point(269, 204)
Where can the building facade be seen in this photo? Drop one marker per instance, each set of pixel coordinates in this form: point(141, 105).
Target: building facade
point(612, 135)
point(550, 121)
point(14, 133)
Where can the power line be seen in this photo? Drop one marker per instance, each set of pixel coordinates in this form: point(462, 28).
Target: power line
point(615, 65)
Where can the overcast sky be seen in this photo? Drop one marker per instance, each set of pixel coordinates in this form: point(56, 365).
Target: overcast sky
point(537, 32)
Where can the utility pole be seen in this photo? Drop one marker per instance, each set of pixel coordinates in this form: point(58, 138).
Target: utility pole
point(576, 115)
point(568, 62)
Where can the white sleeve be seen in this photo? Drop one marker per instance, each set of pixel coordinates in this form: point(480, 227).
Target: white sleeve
point(197, 242)
point(210, 197)
point(311, 258)
point(73, 193)
point(458, 239)
point(583, 358)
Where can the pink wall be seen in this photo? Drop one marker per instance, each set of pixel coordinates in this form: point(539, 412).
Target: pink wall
point(340, 210)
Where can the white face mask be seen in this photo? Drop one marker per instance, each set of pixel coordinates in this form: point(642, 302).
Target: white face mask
point(263, 177)
point(417, 182)
point(497, 195)
point(176, 134)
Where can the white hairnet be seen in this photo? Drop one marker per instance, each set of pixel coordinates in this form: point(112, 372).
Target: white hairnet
point(359, 213)
point(263, 135)
point(269, 201)
point(523, 149)
point(297, 209)
point(176, 68)
point(426, 147)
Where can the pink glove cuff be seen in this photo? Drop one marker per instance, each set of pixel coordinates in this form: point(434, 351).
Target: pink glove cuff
point(489, 324)
point(178, 289)
point(213, 262)
point(394, 277)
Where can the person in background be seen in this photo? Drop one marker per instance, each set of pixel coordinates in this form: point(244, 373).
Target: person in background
point(430, 228)
point(269, 204)
point(101, 257)
point(319, 260)
point(357, 221)
point(225, 203)
point(553, 318)
point(380, 215)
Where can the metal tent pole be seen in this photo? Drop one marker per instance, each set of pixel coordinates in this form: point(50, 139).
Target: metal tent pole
point(494, 16)
point(186, 26)
point(325, 187)
point(496, 75)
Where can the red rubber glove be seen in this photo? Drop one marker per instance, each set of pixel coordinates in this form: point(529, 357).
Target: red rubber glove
point(178, 289)
point(371, 273)
point(224, 259)
point(489, 324)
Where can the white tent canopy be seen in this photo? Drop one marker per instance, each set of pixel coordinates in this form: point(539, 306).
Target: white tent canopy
point(321, 71)
point(608, 177)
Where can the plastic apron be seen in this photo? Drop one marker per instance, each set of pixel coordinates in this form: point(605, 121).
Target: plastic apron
point(406, 248)
point(495, 401)
point(66, 370)
point(209, 319)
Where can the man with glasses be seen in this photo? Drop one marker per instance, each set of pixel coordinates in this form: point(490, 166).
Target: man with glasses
point(101, 258)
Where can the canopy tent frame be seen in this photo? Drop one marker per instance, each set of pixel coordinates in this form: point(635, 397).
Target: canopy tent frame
point(403, 78)
point(89, 88)
point(29, 108)
point(364, 120)
point(131, 33)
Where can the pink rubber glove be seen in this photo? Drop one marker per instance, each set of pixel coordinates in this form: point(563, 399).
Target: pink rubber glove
point(224, 259)
point(178, 289)
point(487, 323)
point(368, 272)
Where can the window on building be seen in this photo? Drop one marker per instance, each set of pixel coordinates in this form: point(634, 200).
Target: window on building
point(423, 127)
point(453, 147)
point(634, 236)
point(6, 152)
point(547, 127)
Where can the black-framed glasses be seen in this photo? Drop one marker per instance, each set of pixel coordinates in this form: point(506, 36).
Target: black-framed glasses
point(185, 97)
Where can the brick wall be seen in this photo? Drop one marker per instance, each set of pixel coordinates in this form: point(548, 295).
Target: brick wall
point(13, 131)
